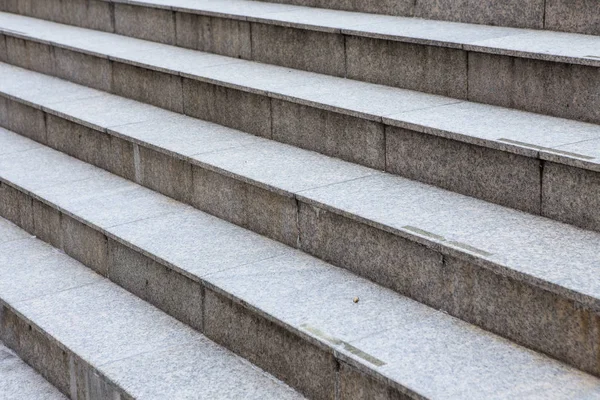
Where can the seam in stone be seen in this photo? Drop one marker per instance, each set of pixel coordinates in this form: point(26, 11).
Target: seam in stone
point(174, 27)
point(345, 37)
point(385, 148)
point(298, 236)
point(271, 117)
point(542, 165)
point(138, 220)
point(544, 16)
point(337, 384)
point(338, 182)
point(467, 80)
point(45, 118)
point(250, 23)
point(113, 19)
point(21, 301)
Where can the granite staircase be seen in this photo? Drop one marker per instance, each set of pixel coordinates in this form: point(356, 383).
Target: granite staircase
point(233, 199)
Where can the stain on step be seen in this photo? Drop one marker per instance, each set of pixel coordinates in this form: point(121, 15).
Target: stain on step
point(550, 149)
point(345, 345)
point(450, 242)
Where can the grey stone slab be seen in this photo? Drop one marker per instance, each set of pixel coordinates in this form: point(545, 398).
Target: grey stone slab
point(175, 60)
point(172, 292)
point(276, 166)
point(31, 55)
point(520, 14)
point(23, 119)
point(108, 201)
point(85, 244)
point(107, 111)
point(20, 381)
point(472, 121)
point(233, 108)
point(436, 70)
point(355, 385)
point(269, 346)
point(16, 207)
point(105, 314)
point(571, 195)
point(493, 175)
point(200, 369)
point(428, 31)
point(91, 14)
point(325, 20)
point(198, 243)
point(240, 9)
point(557, 256)
point(92, 146)
point(83, 69)
point(361, 99)
point(515, 372)
point(337, 135)
point(39, 88)
point(407, 206)
point(11, 143)
point(536, 86)
point(156, 88)
point(588, 150)
point(260, 78)
point(185, 135)
point(313, 296)
point(302, 49)
point(525, 314)
point(165, 174)
point(266, 212)
point(145, 23)
point(228, 37)
point(10, 232)
point(35, 348)
point(36, 270)
point(46, 223)
point(29, 169)
point(544, 45)
point(387, 259)
point(568, 16)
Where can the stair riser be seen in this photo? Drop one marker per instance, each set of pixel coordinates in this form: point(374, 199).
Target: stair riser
point(92, 14)
point(520, 83)
point(276, 348)
point(559, 15)
point(521, 181)
point(59, 365)
point(445, 278)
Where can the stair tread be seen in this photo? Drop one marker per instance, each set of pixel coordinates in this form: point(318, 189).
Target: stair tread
point(553, 255)
point(18, 380)
point(566, 141)
point(450, 358)
point(539, 44)
point(150, 355)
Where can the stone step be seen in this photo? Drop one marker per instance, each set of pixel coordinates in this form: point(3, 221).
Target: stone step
point(474, 260)
point(110, 15)
point(18, 381)
point(94, 340)
point(579, 16)
point(372, 125)
point(542, 165)
point(521, 69)
point(320, 328)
